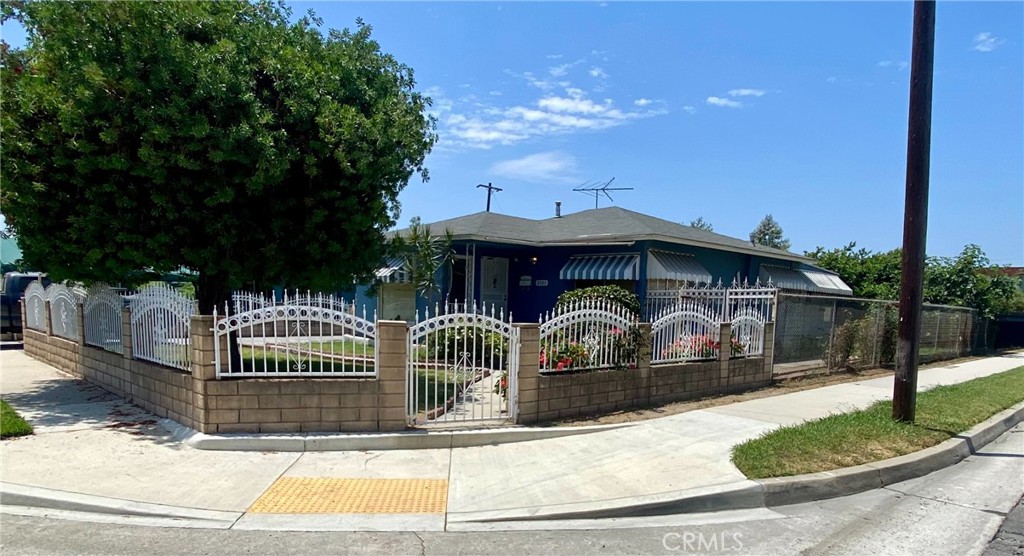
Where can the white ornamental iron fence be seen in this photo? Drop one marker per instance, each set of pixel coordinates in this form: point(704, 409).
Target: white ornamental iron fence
point(243, 301)
point(63, 311)
point(749, 308)
point(588, 334)
point(462, 366)
point(160, 317)
point(102, 317)
point(35, 306)
point(688, 330)
point(298, 335)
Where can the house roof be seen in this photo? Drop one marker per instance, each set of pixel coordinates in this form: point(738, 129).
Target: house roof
point(604, 226)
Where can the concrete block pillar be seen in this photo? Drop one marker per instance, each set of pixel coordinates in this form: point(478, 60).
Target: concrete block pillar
point(527, 397)
point(392, 355)
point(47, 319)
point(643, 362)
point(126, 332)
point(724, 352)
point(24, 315)
point(202, 339)
point(80, 308)
point(769, 350)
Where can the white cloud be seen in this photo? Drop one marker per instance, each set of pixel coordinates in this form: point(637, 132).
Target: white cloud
point(987, 42)
point(559, 70)
point(598, 72)
point(689, 109)
point(746, 93)
point(831, 79)
point(890, 63)
point(542, 167)
point(724, 102)
point(494, 93)
point(885, 63)
point(553, 56)
point(642, 102)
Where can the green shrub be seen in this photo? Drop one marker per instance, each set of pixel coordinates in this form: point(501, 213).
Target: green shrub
point(615, 294)
point(838, 351)
point(469, 345)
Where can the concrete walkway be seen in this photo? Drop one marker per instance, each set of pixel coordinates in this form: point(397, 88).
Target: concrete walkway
point(92, 443)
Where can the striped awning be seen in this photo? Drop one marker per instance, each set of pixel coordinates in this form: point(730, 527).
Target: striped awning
point(804, 279)
point(393, 272)
point(601, 267)
point(662, 265)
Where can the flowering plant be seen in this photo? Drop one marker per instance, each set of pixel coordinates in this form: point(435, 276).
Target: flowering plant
point(501, 385)
point(699, 347)
point(562, 356)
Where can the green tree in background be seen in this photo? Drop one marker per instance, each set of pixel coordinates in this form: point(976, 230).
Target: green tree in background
point(967, 280)
point(769, 234)
point(215, 136)
point(702, 224)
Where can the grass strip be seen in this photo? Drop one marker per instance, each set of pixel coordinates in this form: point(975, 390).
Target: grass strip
point(11, 424)
point(868, 435)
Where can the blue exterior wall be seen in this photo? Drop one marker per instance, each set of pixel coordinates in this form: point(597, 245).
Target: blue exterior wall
point(527, 302)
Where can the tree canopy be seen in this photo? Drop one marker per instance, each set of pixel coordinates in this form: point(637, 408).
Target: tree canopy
point(702, 224)
point(967, 280)
point(214, 136)
point(769, 233)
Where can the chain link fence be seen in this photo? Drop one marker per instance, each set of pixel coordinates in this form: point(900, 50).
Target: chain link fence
point(833, 333)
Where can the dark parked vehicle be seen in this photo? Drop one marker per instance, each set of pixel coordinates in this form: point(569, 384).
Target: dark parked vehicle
point(12, 288)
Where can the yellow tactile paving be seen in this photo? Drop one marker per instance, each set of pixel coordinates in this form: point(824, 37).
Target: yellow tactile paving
point(321, 495)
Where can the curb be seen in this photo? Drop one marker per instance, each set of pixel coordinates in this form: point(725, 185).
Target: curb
point(62, 501)
point(765, 493)
point(408, 440)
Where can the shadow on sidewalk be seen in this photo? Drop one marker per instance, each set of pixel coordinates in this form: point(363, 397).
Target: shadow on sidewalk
point(63, 403)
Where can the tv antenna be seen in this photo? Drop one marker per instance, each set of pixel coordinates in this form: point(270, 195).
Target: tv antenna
point(595, 189)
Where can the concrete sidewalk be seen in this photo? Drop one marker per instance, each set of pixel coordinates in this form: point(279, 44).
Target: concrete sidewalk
point(89, 442)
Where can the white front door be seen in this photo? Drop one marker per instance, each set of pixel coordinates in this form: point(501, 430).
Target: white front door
point(494, 282)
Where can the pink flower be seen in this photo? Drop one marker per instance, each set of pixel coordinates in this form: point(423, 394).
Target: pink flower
point(560, 366)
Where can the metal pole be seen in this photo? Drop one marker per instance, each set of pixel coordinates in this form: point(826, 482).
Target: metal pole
point(915, 219)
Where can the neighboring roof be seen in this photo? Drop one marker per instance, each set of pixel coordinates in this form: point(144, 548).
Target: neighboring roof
point(602, 226)
point(9, 250)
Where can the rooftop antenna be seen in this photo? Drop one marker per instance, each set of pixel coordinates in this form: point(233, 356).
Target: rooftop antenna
point(596, 189)
point(490, 190)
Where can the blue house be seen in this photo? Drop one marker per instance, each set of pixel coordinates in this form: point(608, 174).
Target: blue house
point(522, 265)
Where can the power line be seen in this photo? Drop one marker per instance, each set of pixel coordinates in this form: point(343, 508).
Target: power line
point(490, 191)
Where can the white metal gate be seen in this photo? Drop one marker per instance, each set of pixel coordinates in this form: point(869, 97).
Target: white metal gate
point(462, 367)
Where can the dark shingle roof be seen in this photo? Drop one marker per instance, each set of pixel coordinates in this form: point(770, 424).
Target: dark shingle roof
point(595, 226)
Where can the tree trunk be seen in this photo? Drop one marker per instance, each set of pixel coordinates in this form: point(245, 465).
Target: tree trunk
point(213, 291)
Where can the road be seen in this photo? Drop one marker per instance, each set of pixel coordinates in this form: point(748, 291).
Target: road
point(954, 511)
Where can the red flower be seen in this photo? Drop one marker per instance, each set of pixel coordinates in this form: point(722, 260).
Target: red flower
point(560, 366)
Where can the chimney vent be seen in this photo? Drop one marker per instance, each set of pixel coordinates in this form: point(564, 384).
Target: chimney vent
point(558, 209)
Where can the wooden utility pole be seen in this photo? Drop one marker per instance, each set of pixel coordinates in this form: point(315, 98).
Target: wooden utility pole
point(490, 190)
point(915, 216)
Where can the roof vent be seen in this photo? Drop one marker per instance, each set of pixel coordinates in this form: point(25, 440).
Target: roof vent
point(558, 209)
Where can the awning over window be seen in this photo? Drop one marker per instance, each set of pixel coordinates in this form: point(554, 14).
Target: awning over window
point(601, 267)
point(394, 272)
point(802, 279)
point(662, 265)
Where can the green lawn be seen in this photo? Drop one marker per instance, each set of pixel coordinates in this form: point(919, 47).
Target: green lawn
point(432, 393)
point(343, 347)
point(869, 435)
point(11, 424)
point(261, 360)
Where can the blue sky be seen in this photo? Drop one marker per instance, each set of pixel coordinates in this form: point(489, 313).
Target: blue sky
point(725, 110)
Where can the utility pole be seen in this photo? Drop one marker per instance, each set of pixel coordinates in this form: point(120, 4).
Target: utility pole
point(490, 190)
point(915, 216)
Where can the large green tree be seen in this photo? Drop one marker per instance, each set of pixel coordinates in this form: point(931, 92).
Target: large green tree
point(215, 136)
point(769, 233)
point(870, 275)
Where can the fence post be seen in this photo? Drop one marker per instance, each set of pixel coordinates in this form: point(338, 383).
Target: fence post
point(528, 379)
point(769, 350)
point(724, 352)
point(831, 336)
point(392, 357)
point(47, 318)
point(203, 344)
point(24, 316)
point(643, 362)
point(80, 307)
point(126, 332)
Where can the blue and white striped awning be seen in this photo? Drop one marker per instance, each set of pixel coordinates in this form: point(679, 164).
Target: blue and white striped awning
point(601, 267)
point(662, 265)
point(393, 272)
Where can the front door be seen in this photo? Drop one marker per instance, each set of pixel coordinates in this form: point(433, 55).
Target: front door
point(494, 283)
